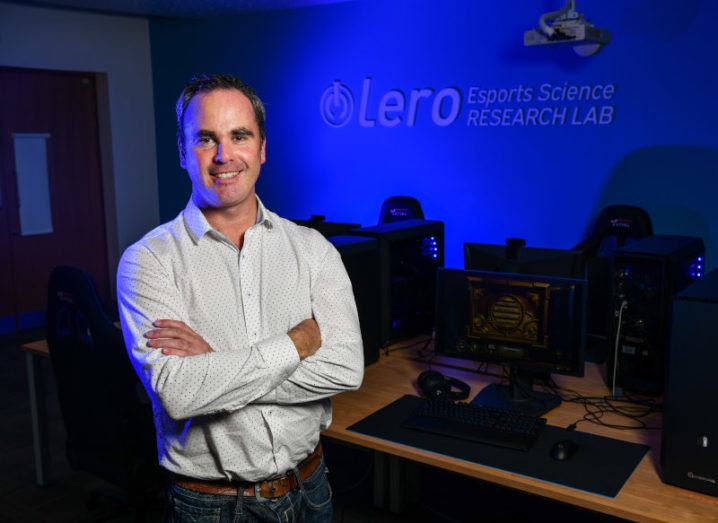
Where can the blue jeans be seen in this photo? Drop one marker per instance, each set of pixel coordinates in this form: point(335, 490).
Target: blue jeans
point(311, 503)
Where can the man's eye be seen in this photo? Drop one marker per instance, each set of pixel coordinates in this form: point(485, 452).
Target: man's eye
point(204, 141)
point(240, 137)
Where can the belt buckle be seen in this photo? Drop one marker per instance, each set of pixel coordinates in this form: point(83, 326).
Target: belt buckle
point(271, 487)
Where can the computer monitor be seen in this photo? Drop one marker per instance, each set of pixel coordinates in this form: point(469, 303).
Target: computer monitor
point(532, 324)
point(514, 257)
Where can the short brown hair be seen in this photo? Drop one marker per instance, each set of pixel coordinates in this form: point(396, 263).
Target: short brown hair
point(204, 83)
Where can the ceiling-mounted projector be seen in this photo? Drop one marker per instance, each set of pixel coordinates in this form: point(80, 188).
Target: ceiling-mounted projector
point(569, 27)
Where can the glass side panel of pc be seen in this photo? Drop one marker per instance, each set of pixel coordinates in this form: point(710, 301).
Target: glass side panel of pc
point(411, 251)
point(532, 324)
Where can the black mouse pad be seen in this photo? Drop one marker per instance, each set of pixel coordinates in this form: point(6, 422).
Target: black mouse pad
point(600, 465)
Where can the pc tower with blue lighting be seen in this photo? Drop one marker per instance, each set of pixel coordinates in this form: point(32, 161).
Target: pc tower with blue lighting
point(411, 252)
point(646, 275)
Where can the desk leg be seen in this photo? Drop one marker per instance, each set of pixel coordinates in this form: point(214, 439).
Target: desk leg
point(38, 411)
point(396, 483)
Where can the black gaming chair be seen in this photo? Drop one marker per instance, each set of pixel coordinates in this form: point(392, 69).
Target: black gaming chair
point(615, 225)
point(397, 208)
point(107, 416)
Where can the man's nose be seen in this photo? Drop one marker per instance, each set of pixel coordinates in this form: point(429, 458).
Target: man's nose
point(223, 154)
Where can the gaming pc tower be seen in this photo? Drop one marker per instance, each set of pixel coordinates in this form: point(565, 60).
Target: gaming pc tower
point(646, 275)
point(689, 444)
point(615, 226)
point(411, 251)
point(363, 264)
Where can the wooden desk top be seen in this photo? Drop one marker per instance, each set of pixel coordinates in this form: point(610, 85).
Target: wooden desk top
point(38, 347)
point(643, 498)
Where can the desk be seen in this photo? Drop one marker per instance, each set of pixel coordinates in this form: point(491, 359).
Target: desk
point(643, 498)
point(35, 352)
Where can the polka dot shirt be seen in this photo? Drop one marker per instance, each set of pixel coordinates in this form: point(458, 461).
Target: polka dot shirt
point(250, 410)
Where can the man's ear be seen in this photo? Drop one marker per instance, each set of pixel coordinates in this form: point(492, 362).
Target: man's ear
point(263, 151)
point(182, 159)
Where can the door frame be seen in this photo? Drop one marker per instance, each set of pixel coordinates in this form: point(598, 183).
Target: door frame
point(102, 102)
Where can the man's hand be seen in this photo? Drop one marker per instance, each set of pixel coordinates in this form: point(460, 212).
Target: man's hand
point(306, 337)
point(175, 338)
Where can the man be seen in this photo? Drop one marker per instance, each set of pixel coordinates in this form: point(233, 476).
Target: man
point(240, 324)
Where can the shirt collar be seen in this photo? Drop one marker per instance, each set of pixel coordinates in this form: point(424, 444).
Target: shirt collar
point(197, 225)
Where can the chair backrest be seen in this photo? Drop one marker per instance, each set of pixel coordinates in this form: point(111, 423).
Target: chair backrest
point(109, 426)
point(615, 226)
point(398, 208)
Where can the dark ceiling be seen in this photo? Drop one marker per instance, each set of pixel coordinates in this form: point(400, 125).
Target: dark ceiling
point(175, 8)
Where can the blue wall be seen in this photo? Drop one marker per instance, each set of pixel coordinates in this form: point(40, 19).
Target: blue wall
point(651, 140)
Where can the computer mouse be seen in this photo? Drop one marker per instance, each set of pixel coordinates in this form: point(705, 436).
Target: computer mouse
point(563, 450)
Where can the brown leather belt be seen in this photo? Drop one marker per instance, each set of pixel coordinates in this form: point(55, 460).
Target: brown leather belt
point(271, 488)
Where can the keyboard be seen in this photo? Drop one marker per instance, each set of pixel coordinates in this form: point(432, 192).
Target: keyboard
point(472, 422)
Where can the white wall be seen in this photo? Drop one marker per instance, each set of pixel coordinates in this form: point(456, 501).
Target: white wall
point(118, 47)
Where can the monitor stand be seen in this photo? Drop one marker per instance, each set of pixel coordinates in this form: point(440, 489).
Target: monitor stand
point(518, 395)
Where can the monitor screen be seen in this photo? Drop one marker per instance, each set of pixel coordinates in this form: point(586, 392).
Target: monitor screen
point(524, 260)
point(533, 324)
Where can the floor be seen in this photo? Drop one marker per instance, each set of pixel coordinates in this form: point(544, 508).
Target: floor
point(351, 474)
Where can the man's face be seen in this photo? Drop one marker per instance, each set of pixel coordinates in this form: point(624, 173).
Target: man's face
point(224, 152)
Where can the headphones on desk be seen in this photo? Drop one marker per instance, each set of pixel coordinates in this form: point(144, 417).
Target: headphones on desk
point(434, 385)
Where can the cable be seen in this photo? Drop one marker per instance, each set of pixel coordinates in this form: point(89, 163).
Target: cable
point(547, 29)
point(408, 345)
point(624, 305)
point(598, 406)
point(421, 353)
point(483, 369)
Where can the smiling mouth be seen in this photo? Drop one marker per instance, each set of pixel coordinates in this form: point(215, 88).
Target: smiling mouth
point(227, 175)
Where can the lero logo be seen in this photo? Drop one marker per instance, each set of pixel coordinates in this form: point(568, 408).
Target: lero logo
point(337, 105)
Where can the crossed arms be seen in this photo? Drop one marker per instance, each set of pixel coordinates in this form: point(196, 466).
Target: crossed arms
point(193, 375)
point(176, 338)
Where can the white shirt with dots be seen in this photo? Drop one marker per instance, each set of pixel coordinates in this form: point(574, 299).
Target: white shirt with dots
point(250, 410)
